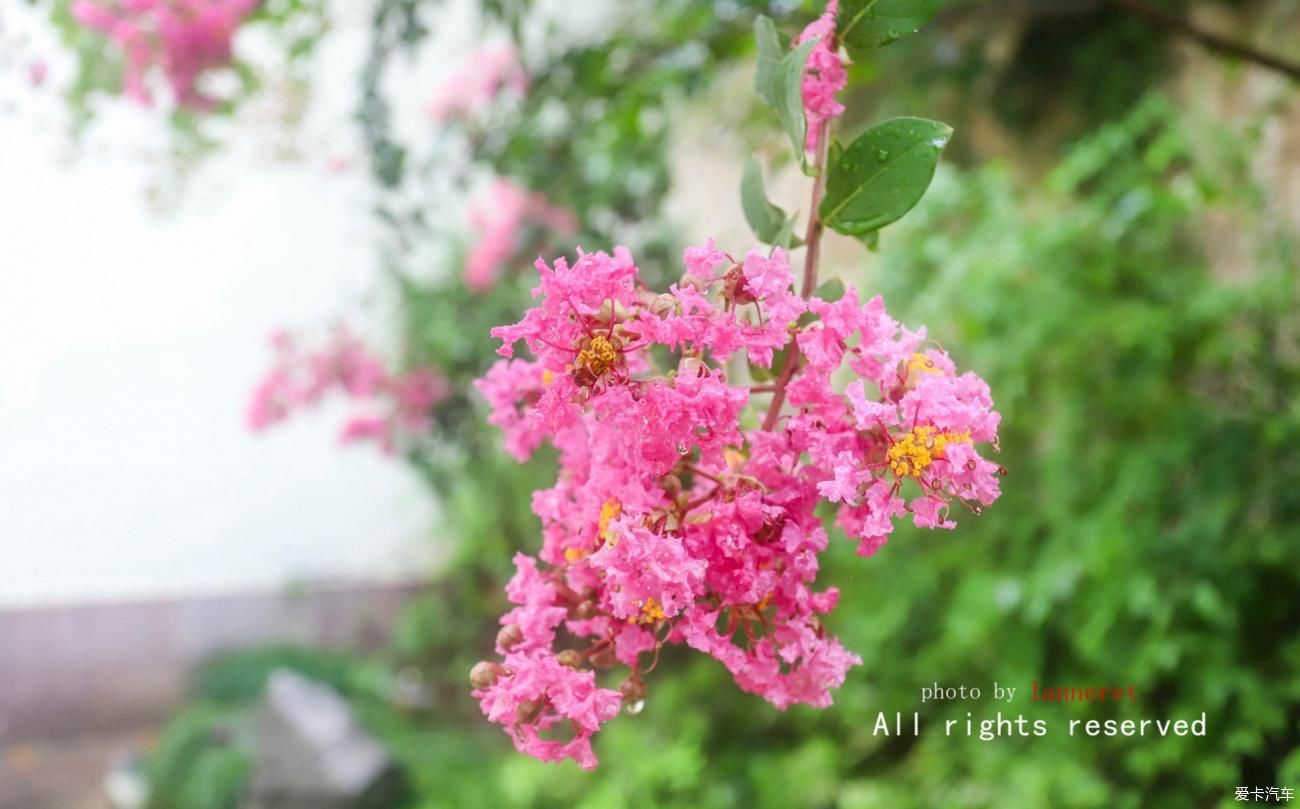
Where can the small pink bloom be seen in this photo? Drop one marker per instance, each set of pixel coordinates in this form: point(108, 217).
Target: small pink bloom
point(37, 71)
point(824, 75)
point(472, 88)
point(182, 39)
point(499, 221)
point(391, 405)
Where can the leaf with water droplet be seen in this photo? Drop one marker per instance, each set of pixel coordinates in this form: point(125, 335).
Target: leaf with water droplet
point(865, 192)
point(865, 24)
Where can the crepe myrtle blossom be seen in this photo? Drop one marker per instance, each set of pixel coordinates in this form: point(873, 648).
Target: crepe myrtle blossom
point(499, 219)
point(181, 38)
point(37, 71)
point(824, 74)
point(475, 86)
point(680, 515)
point(387, 404)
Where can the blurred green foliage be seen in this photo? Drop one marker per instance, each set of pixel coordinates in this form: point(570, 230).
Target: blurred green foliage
point(203, 760)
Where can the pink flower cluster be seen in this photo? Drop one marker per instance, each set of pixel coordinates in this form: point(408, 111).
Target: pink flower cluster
point(824, 74)
point(498, 220)
point(680, 515)
point(473, 88)
point(182, 38)
point(389, 404)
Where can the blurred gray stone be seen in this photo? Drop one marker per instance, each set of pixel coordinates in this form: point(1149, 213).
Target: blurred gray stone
point(312, 754)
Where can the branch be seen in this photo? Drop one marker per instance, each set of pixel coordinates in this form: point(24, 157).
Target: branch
point(1208, 39)
point(813, 240)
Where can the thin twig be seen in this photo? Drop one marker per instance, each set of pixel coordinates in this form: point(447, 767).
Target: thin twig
point(1208, 39)
point(813, 241)
point(695, 470)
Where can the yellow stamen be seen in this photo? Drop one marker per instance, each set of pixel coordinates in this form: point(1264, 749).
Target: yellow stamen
point(547, 377)
point(574, 554)
point(651, 612)
point(917, 367)
point(597, 358)
point(920, 363)
point(610, 510)
point(735, 459)
point(915, 451)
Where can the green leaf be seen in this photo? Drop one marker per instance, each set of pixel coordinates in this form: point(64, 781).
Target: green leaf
point(882, 174)
point(779, 359)
point(866, 24)
point(779, 80)
point(759, 373)
point(831, 290)
point(764, 218)
point(785, 237)
point(772, 48)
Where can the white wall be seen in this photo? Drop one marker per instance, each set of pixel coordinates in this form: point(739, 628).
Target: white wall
point(129, 340)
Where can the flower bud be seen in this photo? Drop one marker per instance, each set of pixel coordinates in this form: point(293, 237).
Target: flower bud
point(734, 287)
point(510, 635)
point(688, 280)
point(570, 658)
point(632, 689)
point(664, 305)
point(528, 710)
point(604, 658)
point(484, 674)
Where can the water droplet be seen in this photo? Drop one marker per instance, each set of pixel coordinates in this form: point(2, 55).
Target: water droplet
point(882, 155)
point(635, 708)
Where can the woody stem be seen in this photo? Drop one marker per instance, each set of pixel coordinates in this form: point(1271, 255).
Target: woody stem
point(812, 255)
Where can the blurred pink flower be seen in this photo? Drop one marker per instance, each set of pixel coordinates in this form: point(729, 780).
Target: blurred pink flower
point(181, 38)
point(37, 71)
point(393, 404)
point(472, 88)
point(498, 220)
